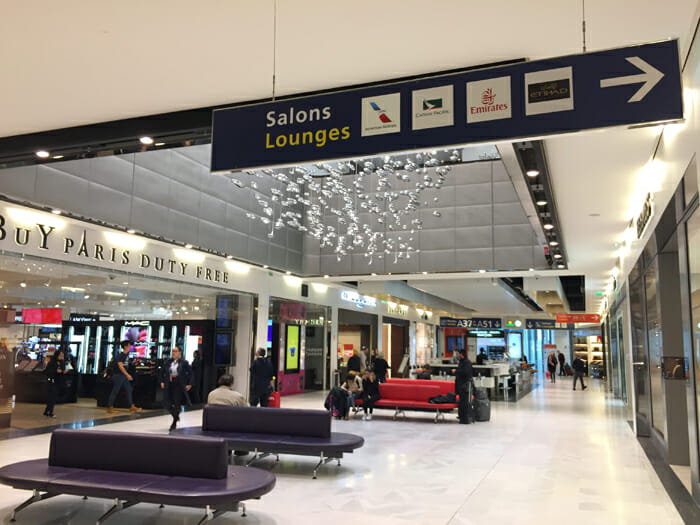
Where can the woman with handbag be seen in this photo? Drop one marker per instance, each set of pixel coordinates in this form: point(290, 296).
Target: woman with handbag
point(552, 367)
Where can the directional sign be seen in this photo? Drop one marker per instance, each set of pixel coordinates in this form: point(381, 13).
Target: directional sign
point(618, 87)
point(578, 318)
point(473, 322)
point(540, 324)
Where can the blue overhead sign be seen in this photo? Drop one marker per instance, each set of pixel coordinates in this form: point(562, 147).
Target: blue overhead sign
point(540, 324)
point(473, 322)
point(631, 85)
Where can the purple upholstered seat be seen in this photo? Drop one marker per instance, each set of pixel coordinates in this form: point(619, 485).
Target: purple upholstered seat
point(32, 474)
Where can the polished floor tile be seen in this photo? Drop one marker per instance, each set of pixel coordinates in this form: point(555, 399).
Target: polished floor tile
point(556, 456)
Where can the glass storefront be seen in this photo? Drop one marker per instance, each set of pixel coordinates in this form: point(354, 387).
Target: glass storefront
point(655, 346)
point(693, 236)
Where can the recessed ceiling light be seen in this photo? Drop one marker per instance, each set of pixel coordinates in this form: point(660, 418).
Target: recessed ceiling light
point(288, 273)
point(482, 271)
point(23, 285)
point(549, 226)
point(160, 144)
point(532, 173)
point(560, 266)
point(86, 297)
point(553, 243)
point(425, 273)
point(42, 154)
point(326, 276)
point(265, 266)
point(531, 270)
point(541, 203)
point(56, 212)
point(125, 282)
point(131, 230)
point(229, 256)
point(57, 157)
point(557, 256)
point(146, 140)
point(122, 300)
point(374, 274)
point(188, 246)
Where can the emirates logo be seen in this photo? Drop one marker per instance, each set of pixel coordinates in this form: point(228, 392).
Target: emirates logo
point(488, 97)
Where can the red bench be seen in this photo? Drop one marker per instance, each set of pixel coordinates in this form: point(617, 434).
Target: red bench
point(413, 394)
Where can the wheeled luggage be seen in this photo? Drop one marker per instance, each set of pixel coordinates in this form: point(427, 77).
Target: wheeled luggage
point(273, 400)
point(483, 409)
point(568, 371)
point(481, 393)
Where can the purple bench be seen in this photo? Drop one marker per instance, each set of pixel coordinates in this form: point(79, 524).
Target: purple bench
point(138, 468)
point(266, 431)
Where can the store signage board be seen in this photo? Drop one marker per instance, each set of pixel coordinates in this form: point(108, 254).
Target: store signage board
point(359, 300)
point(83, 318)
point(617, 87)
point(578, 318)
point(540, 324)
point(473, 322)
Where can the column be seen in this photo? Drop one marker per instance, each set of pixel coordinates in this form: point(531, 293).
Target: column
point(334, 343)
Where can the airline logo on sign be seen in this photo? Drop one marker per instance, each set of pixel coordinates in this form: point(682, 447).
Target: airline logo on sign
point(433, 107)
point(549, 91)
point(381, 114)
point(489, 100)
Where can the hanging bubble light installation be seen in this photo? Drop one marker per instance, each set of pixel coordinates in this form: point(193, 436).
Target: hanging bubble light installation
point(339, 207)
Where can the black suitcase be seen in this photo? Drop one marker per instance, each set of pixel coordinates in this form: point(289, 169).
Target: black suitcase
point(481, 393)
point(482, 409)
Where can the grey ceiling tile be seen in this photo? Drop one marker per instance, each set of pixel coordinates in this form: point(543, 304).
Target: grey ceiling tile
point(474, 259)
point(514, 235)
point(115, 172)
point(108, 204)
point(466, 216)
point(257, 251)
point(504, 192)
point(184, 199)
point(152, 186)
point(181, 227)
point(149, 217)
point(62, 190)
point(468, 194)
point(19, 182)
point(476, 237)
point(212, 209)
point(239, 245)
point(510, 214)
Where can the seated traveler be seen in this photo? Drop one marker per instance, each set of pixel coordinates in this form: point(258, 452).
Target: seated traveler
point(425, 372)
point(370, 394)
point(353, 386)
point(225, 395)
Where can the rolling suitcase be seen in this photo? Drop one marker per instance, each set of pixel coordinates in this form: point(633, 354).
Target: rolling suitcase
point(273, 400)
point(483, 409)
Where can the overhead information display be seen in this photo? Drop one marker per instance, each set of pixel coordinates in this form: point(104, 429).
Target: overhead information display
point(617, 87)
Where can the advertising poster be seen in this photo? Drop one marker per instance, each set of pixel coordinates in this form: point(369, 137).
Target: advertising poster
point(292, 354)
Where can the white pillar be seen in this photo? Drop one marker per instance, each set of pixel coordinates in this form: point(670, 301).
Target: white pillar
point(380, 322)
point(334, 342)
point(263, 317)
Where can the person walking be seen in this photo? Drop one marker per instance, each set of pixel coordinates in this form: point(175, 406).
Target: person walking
point(262, 373)
point(562, 362)
point(176, 382)
point(552, 367)
point(579, 368)
point(381, 367)
point(370, 394)
point(54, 374)
point(196, 365)
point(122, 379)
point(224, 394)
point(463, 378)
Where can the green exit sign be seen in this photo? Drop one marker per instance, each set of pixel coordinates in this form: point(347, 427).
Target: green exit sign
point(599, 293)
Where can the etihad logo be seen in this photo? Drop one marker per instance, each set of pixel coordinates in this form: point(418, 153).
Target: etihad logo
point(435, 103)
point(488, 100)
point(433, 107)
point(549, 91)
point(381, 113)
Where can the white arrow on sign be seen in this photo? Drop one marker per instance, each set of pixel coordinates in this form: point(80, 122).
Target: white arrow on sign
point(650, 77)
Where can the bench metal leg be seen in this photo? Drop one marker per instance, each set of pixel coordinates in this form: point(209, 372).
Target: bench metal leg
point(210, 514)
point(118, 506)
point(259, 456)
point(439, 415)
point(36, 496)
point(322, 461)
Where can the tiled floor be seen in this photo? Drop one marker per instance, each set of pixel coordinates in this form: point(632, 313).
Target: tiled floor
point(556, 456)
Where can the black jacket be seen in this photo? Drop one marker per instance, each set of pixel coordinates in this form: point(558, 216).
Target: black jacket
point(262, 372)
point(463, 374)
point(380, 368)
point(354, 363)
point(578, 365)
point(370, 389)
point(184, 374)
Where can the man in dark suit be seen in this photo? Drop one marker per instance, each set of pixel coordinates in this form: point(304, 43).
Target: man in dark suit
point(463, 378)
point(262, 373)
point(176, 382)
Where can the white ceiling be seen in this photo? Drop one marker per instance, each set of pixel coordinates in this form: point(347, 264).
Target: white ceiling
point(77, 62)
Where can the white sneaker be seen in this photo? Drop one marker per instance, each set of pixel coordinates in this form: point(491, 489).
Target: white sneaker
point(369, 417)
point(364, 417)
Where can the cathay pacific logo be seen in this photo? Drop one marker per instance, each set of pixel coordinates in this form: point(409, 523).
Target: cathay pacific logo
point(380, 113)
point(435, 103)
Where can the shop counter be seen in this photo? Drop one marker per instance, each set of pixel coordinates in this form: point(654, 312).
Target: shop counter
point(146, 391)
